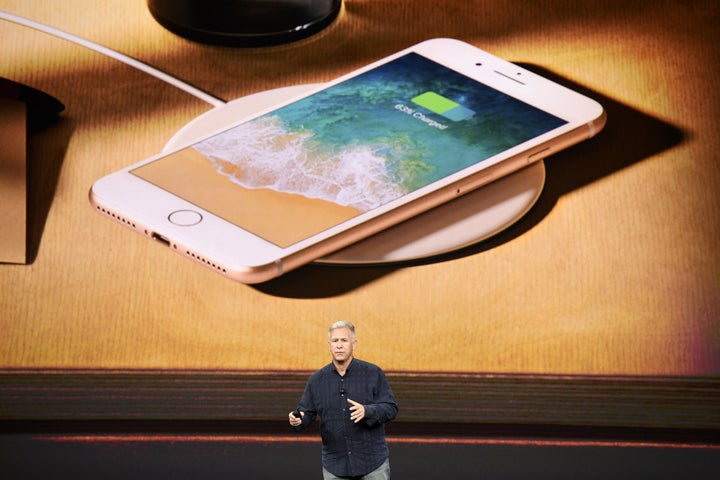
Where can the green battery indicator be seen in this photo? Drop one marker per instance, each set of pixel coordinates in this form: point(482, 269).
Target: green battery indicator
point(436, 103)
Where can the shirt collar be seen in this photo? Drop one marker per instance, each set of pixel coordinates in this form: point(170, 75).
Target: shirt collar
point(347, 370)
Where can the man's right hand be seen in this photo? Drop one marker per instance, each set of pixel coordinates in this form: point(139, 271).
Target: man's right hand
point(295, 421)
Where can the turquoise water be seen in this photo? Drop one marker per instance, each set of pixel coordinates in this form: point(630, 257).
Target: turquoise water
point(364, 143)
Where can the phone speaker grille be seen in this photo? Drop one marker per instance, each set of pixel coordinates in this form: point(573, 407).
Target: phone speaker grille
point(188, 253)
point(117, 218)
point(204, 261)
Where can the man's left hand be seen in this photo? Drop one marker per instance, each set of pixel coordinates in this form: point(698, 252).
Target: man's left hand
point(357, 411)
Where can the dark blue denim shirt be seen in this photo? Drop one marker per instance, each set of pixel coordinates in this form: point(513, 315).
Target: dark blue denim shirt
point(350, 449)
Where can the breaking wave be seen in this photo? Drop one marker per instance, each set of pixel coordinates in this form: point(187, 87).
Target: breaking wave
point(265, 154)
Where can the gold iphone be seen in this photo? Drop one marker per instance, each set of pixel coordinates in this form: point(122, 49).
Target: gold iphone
point(299, 180)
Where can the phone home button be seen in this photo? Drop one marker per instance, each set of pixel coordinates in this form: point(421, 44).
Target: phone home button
point(185, 218)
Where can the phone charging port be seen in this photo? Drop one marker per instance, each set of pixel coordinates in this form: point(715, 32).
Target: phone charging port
point(161, 239)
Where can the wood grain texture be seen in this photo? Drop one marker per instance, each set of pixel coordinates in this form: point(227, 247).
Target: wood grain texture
point(615, 272)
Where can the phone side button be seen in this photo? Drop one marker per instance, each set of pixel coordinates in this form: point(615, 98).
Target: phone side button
point(481, 179)
point(185, 218)
point(538, 155)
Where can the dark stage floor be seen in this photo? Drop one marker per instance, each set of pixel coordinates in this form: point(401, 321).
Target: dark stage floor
point(130, 456)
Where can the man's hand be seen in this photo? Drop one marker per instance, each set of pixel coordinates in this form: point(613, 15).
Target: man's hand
point(295, 421)
point(357, 411)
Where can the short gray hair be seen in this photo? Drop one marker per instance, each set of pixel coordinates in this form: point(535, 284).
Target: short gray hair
point(342, 324)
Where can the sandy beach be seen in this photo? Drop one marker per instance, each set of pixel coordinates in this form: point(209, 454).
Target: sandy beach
point(281, 218)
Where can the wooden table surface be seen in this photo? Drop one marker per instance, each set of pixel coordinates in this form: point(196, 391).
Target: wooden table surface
point(616, 271)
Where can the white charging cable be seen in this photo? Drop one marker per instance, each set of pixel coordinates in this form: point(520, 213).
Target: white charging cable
point(215, 102)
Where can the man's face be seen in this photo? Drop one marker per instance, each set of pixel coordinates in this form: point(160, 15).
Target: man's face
point(341, 344)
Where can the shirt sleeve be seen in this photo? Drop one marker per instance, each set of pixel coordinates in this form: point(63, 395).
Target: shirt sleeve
point(383, 408)
point(307, 406)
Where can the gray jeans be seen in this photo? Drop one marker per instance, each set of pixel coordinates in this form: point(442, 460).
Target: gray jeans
point(380, 473)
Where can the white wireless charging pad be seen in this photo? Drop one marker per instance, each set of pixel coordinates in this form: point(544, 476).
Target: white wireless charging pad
point(464, 221)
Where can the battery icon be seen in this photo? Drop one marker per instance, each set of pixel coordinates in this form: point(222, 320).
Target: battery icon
point(436, 103)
